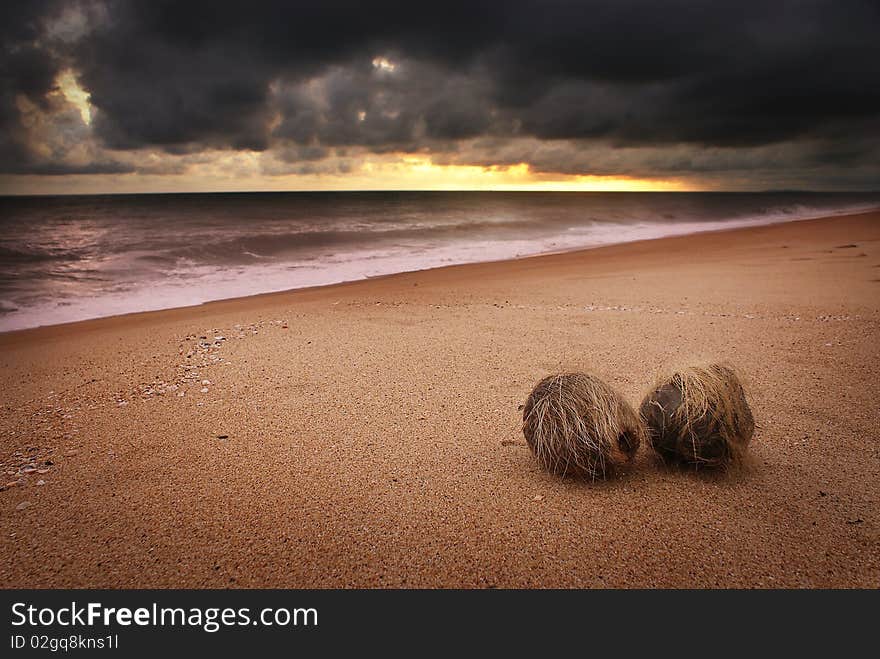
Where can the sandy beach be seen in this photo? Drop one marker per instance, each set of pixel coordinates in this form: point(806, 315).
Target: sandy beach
point(367, 434)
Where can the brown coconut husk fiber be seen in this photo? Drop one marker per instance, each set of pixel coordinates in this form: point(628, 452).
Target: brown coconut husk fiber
point(699, 416)
point(577, 425)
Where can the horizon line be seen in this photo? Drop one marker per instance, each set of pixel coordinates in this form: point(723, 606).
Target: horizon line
point(431, 190)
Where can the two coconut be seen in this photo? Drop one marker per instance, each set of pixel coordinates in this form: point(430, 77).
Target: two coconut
point(577, 425)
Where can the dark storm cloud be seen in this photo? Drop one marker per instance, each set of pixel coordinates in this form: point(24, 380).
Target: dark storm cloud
point(628, 74)
point(63, 169)
point(413, 105)
point(168, 73)
point(25, 67)
point(24, 70)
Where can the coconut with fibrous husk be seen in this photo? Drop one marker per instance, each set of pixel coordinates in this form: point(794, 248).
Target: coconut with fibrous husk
point(699, 416)
point(577, 425)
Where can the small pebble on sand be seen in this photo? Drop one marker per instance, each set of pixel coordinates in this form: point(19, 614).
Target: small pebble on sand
point(23, 505)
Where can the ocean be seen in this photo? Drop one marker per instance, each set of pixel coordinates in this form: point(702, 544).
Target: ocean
point(76, 257)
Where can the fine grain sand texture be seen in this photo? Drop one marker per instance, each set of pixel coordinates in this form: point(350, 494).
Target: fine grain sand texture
point(371, 435)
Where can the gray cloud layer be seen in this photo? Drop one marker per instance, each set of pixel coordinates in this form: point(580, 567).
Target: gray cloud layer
point(614, 87)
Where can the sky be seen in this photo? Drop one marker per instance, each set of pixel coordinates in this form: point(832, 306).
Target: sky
point(162, 96)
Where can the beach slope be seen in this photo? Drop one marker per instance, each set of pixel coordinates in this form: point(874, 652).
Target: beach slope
point(367, 434)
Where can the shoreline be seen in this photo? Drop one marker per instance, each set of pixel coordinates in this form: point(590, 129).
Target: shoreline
point(573, 250)
point(366, 434)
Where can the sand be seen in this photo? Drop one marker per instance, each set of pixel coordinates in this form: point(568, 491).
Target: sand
point(372, 436)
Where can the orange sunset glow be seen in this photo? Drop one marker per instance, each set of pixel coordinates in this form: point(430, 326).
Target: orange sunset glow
point(242, 172)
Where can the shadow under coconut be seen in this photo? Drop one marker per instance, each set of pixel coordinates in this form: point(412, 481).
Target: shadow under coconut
point(732, 473)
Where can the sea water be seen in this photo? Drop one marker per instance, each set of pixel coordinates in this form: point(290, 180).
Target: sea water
point(71, 258)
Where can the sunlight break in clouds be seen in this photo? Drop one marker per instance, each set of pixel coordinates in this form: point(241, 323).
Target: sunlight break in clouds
point(75, 95)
